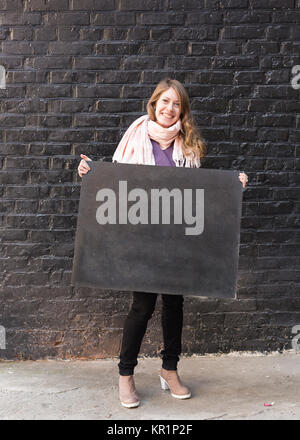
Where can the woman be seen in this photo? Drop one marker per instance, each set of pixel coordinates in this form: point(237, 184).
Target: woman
point(166, 136)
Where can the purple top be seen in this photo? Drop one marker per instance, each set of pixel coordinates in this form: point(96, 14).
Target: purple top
point(163, 157)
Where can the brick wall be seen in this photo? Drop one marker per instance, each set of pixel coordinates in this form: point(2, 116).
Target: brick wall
point(78, 73)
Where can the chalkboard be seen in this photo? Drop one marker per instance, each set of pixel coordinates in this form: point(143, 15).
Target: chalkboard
point(158, 229)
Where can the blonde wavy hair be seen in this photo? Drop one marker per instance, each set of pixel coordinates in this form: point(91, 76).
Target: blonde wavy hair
point(189, 134)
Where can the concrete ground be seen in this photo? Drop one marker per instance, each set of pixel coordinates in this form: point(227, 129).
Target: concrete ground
point(225, 387)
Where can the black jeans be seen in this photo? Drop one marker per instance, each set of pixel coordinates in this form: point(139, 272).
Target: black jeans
point(135, 326)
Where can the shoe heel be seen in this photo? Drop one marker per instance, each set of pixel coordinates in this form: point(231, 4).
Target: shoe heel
point(163, 383)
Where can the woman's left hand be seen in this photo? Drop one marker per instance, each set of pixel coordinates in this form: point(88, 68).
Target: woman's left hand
point(244, 179)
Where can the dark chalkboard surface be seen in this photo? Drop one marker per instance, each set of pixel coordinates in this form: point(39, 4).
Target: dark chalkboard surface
point(158, 229)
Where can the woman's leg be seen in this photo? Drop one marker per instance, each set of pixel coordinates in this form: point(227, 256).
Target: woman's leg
point(135, 326)
point(172, 321)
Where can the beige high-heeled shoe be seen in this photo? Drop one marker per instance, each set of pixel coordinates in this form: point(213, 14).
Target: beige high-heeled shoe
point(170, 380)
point(127, 392)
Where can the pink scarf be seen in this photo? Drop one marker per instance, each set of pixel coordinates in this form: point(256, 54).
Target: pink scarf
point(135, 146)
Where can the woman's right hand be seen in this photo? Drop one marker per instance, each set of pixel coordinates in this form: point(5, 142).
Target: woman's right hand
point(83, 167)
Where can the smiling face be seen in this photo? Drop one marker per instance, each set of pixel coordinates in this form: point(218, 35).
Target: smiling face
point(167, 110)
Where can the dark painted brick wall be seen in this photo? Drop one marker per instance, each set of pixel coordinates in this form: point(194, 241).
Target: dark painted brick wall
point(78, 73)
